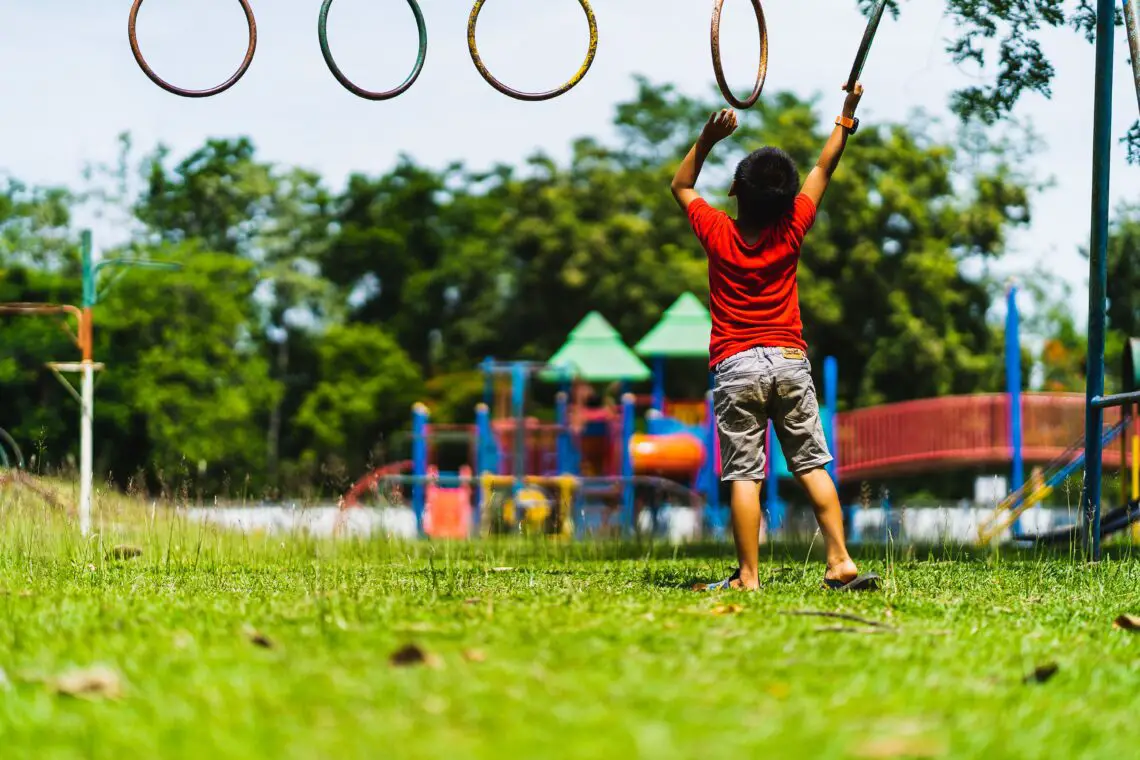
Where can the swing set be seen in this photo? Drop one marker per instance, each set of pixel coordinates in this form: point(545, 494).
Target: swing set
point(473, 48)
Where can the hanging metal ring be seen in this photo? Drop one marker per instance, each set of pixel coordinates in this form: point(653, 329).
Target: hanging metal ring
point(326, 50)
point(865, 45)
point(132, 35)
point(718, 65)
point(532, 96)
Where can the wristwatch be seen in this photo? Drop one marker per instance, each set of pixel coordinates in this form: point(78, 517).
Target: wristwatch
point(851, 125)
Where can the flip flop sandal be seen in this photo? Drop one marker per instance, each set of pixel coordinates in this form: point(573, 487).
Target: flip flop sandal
point(865, 582)
point(724, 585)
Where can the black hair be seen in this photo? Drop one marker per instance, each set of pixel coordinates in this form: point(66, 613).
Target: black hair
point(767, 183)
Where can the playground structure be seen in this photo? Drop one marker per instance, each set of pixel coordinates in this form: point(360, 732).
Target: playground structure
point(598, 465)
point(586, 470)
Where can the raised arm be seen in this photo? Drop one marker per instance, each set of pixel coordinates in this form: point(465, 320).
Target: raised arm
point(719, 126)
point(820, 177)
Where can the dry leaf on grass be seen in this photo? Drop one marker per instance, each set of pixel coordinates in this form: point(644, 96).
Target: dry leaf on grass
point(900, 746)
point(257, 638)
point(726, 609)
point(412, 655)
point(1042, 673)
point(1127, 623)
point(124, 552)
point(90, 683)
point(471, 601)
point(475, 655)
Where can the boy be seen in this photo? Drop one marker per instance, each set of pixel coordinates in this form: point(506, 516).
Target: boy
point(757, 348)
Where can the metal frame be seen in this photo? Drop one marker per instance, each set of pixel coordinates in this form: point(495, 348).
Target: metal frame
point(1098, 265)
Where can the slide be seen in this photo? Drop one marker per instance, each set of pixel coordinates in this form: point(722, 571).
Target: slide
point(1034, 491)
point(1111, 522)
point(675, 454)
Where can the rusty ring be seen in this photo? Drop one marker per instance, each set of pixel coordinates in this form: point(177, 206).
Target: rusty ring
point(532, 96)
point(718, 65)
point(326, 51)
point(132, 35)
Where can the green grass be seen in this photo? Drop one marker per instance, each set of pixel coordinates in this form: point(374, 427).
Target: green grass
point(587, 650)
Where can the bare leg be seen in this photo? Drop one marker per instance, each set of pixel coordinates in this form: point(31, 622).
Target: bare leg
point(746, 532)
point(829, 515)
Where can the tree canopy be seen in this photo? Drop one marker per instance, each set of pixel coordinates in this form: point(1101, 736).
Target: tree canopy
point(307, 320)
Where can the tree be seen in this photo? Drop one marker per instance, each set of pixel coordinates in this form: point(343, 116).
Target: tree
point(183, 375)
point(366, 386)
point(228, 201)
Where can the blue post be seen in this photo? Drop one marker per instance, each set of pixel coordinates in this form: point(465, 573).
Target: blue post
point(565, 465)
point(518, 411)
point(772, 503)
point(1013, 390)
point(483, 439)
point(489, 382)
point(831, 402)
point(628, 413)
point(419, 461)
point(659, 383)
point(1098, 272)
point(712, 483)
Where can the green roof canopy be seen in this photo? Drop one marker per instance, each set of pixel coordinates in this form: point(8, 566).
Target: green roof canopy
point(594, 352)
point(682, 333)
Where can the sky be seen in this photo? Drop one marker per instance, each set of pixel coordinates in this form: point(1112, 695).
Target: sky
point(70, 85)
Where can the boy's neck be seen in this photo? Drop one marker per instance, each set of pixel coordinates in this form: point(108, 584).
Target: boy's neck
point(749, 230)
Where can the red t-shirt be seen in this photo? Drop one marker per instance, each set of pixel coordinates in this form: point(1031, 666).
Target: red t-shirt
point(755, 300)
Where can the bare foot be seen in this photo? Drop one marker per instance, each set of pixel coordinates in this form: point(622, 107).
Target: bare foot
point(746, 581)
point(843, 571)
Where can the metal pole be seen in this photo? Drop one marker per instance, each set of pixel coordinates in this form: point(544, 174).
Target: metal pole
point(712, 464)
point(518, 411)
point(628, 414)
point(87, 392)
point(419, 461)
point(775, 507)
point(86, 475)
point(1098, 273)
point(1013, 390)
point(831, 402)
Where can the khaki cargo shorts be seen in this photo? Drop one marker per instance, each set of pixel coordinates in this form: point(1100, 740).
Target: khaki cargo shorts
point(763, 384)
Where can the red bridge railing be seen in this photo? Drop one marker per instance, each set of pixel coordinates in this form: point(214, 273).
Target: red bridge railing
point(959, 431)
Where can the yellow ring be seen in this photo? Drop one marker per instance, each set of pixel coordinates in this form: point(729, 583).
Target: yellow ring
point(532, 96)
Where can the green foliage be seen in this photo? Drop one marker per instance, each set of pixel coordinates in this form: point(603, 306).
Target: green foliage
point(366, 385)
point(1001, 38)
point(307, 322)
point(183, 370)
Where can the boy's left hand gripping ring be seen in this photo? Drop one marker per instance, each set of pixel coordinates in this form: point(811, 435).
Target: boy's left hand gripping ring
point(132, 35)
point(718, 66)
point(532, 96)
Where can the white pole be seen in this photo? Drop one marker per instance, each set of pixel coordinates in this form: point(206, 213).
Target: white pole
point(85, 465)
